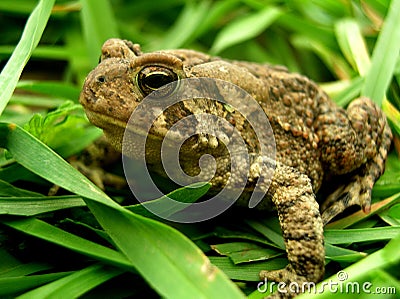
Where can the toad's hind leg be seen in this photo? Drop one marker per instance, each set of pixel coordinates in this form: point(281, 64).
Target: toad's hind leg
point(302, 229)
point(365, 156)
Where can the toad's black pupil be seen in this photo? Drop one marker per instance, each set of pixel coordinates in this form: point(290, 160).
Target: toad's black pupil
point(157, 80)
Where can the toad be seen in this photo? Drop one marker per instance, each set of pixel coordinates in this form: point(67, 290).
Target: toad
point(316, 140)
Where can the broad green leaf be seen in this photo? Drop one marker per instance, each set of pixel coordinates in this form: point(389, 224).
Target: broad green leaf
point(245, 28)
point(30, 38)
point(164, 252)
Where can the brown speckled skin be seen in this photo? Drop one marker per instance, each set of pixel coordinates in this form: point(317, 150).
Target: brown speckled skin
point(315, 138)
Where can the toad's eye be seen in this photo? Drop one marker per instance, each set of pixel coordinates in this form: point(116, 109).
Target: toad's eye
point(152, 78)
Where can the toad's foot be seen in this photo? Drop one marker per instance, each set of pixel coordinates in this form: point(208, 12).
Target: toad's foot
point(371, 126)
point(302, 230)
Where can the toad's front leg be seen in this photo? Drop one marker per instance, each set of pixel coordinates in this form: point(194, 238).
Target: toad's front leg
point(302, 229)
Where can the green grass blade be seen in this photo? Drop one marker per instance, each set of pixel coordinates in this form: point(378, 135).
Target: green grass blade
point(340, 254)
point(245, 28)
point(74, 285)
point(13, 285)
point(52, 88)
point(36, 156)
point(380, 259)
point(188, 194)
point(360, 215)
point(45, 231)
point(30, 206)
point(186, 25)
point(8, 190)
point(29, 40)
point(98, 25)
point(23, 269)
point(352, 44)
point(339, 236)
point(247, 271)
point(384, 57)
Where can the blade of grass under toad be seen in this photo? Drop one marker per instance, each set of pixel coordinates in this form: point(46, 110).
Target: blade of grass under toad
point(360, 215)
point(384, 57)
point(75, 284)
point(28, 42)
point(339, 236)
point(165, 258)
point(247, 271)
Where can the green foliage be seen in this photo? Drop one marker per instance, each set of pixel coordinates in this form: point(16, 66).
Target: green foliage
point(350, 47)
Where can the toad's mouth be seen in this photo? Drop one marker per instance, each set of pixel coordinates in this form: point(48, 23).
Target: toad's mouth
point(113, 126)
